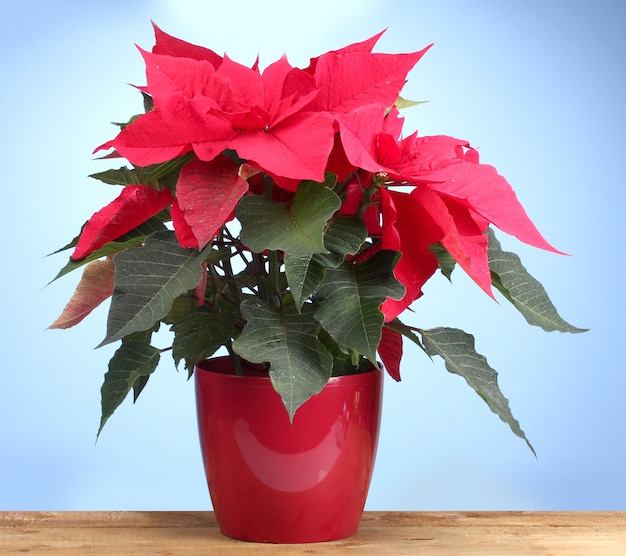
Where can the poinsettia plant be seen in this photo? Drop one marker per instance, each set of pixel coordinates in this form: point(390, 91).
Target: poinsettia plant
point(281, 214)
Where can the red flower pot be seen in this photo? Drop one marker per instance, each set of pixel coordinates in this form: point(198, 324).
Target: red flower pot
point(275, 481)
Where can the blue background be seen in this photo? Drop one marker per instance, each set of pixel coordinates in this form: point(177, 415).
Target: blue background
point(537, 86)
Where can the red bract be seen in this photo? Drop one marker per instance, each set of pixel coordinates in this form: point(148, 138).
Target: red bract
point(482, 189)
point(281, 120)
point(207, 193)
point(134, 205)
point(350, 80)
point(364, 46)
point(390, 351)
point(408, 228)
point(178, 127)
point(166, 44)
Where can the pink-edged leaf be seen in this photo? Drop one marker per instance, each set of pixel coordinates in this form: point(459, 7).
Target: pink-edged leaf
point(207, 193)
point(166, 44)
point(296, 148)
point(390, 351)
point(134, 205)
point(96, 285)
point(347, 81)
point(460, 235)
point(482, 189)
point(176, 128)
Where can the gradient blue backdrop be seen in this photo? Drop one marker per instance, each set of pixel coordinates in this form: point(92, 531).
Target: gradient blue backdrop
point(538, 86)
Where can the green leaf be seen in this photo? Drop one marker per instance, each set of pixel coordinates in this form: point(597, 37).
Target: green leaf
point(445, 260)
point(345, 361)
point(300, 365)
point(304, 275)
point(148, 104)
point(403, 103)
point(344, 236)
point(199, 335)
point(406, 331)
point(351, 296)
point(131, 239)
point(457, 350)
point(296, 228)
point(128, 368)
point(121, 176)
point(147, 280)
point(139, 385)
point(509, 276)
point(181, 307)
point(167, 169)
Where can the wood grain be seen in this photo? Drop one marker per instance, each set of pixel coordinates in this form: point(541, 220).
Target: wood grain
point(389, 533)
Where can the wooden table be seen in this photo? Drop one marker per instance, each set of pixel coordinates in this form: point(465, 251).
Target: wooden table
point(392, 533)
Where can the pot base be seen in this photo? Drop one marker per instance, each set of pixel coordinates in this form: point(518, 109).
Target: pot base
point(275, 481)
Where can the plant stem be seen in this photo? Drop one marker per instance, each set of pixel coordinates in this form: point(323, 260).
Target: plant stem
point(235, 359)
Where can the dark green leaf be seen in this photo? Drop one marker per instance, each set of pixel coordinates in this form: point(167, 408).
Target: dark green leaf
point(457, 350)
point(288, 340)
point(169, 169)
point(445, 260)
point(148, 104)
point(344, 236)
point(181, 307)
point(296, 228)
point(509, 276)
point(128, 368)
point(147, 280)
point(199, 335)
point(304, 275)
point(351, 296)
point(406, 331)
point(139, 385)
point(121, 176)
point(345, 361)
point(131, 239)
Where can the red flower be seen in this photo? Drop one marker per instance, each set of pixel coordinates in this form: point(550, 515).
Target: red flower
point(282, 120)
point(453, 201)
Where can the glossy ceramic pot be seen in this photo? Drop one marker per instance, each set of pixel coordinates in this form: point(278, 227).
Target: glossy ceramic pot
point(275, 481)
